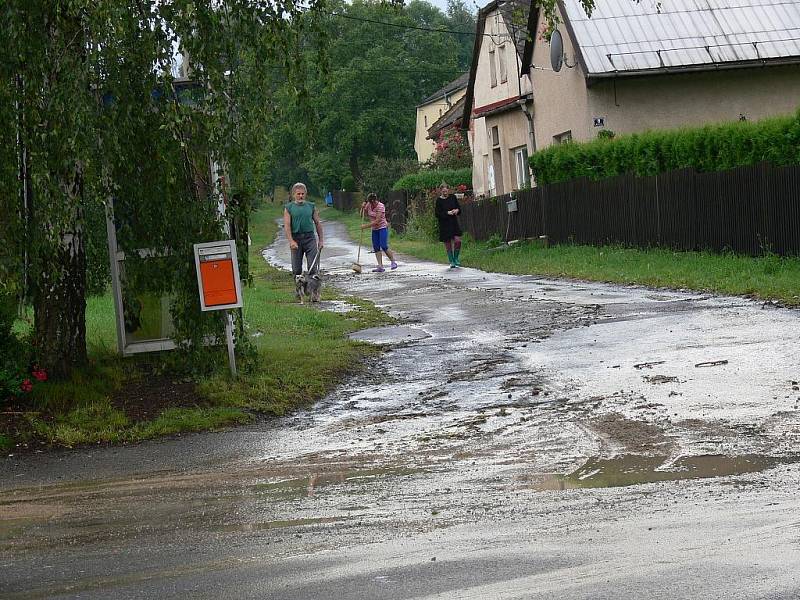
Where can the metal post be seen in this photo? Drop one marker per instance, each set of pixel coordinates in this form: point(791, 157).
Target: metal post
point(229, 337)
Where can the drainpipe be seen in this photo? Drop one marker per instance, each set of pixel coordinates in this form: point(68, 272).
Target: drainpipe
point(523, 105)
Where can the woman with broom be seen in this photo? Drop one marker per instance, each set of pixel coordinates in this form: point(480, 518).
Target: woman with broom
point(376, 211)
point(447, 211)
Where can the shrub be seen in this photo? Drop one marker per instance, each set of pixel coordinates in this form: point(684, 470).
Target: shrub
point(348, 183)
point(429, 180)
point(381, 173)
point(710, 148)
point(422, 223)
point(452, 151)
point(14, 379)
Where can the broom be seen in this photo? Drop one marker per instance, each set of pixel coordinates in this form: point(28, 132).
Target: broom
point(357, 265)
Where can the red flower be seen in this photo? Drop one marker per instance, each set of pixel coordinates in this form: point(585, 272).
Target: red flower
point(39, 374)
point(26, 386)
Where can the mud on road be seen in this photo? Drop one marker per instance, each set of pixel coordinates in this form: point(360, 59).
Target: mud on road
point(519, 438)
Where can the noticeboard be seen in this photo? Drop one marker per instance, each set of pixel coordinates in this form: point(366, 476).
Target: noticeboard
point(218, 275)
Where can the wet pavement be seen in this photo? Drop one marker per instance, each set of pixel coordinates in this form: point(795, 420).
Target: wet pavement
point(519, 438)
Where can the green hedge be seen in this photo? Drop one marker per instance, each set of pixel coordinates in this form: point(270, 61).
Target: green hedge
point(710, 148)
point(428, 180)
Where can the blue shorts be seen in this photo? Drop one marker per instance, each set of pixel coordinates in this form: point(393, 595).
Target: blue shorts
point(380, 239)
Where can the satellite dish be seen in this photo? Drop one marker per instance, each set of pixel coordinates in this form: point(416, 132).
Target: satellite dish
point(556, 51)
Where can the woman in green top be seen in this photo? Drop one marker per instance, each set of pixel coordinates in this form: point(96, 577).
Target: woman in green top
point(300, 219)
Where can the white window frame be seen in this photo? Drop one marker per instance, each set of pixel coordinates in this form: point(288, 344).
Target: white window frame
point(521, 167)
point(492, 68)
point(502, 62)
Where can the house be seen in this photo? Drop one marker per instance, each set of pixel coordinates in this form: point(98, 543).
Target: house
point(661, 65)
point(452, 119)
point(499, 101)
point(431, 109)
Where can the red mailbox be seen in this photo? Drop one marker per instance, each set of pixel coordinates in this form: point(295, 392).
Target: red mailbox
point(218, 275)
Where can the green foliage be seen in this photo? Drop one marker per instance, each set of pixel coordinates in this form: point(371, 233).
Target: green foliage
point(431, 179)
point(88, 96)
point(364, 96)
point(710, 148)
point(348, 183)
point(606, 134)
point(98, 270)
point(380, 174)
point(422, 224)
point(14, 354)
point(494, 241)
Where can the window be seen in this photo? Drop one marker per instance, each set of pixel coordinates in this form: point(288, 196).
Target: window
point(502, 60)
point(492, 69)
point(563, 138)
point(440, 112)
point(521, 162)
point(426, 121)
point(495, 136)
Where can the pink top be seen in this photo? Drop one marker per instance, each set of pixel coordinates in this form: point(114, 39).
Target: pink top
point(377, 215)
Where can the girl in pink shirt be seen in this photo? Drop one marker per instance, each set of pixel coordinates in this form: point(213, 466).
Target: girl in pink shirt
point(376, 212)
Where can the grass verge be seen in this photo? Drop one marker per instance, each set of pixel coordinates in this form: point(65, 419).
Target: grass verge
point(301, 354)
point(767, 277)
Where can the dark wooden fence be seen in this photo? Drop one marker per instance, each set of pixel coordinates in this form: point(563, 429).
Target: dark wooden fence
point(746, 210)
point(347, 201)
point(397, 210)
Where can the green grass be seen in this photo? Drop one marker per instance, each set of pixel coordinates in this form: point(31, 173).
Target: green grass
point(302, 351)
point(769, 277)
point(301, 354)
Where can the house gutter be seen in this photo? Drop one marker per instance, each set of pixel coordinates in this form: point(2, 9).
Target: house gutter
point(775, 62)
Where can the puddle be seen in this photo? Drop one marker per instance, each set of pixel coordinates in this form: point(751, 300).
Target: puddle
point(634, 469)
point(338, 306)
point(309, 486)
point(393, 334)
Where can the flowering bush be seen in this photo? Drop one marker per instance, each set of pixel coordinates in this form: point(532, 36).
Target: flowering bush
point(452, 151)
point(15, 383)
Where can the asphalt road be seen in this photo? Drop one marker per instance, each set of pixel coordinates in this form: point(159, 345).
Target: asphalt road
point(521, 438)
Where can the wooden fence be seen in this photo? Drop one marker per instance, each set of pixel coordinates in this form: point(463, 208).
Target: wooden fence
point(747, 210)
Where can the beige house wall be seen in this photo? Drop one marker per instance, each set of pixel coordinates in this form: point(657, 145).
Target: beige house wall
point(563, 102)
point(483, 92)
point(512, 124)
point(512, 128)
point(560, 100)
point(427, 115)
point(694, 99)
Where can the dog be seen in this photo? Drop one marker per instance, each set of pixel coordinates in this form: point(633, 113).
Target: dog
point(308, 286)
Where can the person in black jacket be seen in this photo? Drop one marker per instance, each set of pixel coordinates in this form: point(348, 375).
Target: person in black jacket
point(447, 211)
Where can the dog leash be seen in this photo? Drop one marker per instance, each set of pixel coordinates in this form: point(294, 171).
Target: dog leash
point(316, 261)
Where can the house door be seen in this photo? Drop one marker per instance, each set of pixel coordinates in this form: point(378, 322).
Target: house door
point(497, 162)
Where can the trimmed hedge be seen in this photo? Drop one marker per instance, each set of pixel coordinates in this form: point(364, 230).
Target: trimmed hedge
point(710, 148)
point(428, 180)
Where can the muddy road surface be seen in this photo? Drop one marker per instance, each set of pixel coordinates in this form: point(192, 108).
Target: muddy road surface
point(520, 438)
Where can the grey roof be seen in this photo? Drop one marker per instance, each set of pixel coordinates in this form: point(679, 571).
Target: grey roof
point(454, 113)
point(455, 85)
point(626, 36)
